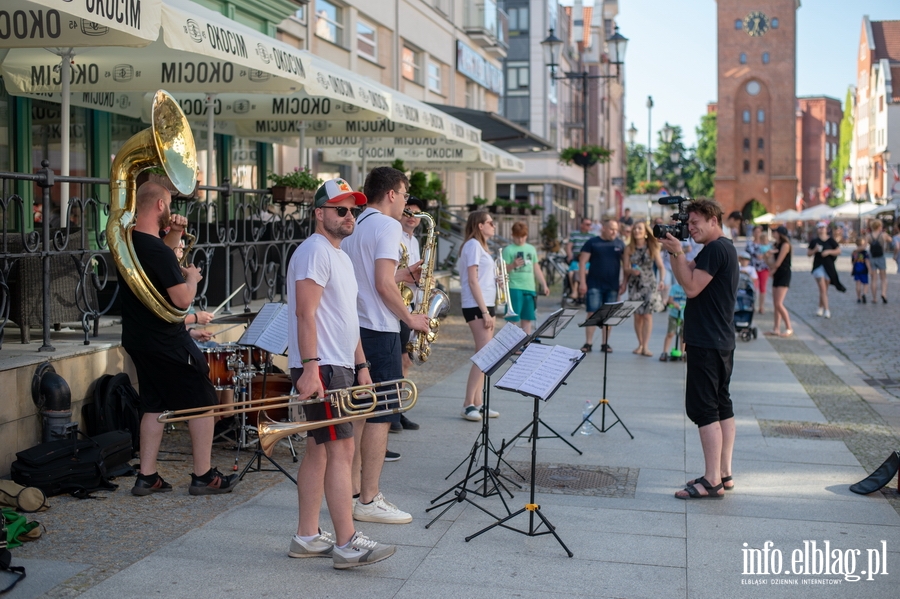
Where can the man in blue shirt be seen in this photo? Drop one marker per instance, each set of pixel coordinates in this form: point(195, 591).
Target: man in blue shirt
point(601, 283)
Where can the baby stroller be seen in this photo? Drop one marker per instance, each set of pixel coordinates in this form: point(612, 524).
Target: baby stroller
point(743, 308)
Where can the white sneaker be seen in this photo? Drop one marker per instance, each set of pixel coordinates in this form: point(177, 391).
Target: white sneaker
point(321, 546)
point(820, 311)
point(361, 551)
point(491, 413)
point(827, 314)
point(380, 510)
point(472, 413)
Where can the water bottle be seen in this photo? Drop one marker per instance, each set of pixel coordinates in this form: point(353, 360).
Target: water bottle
point(587, 428)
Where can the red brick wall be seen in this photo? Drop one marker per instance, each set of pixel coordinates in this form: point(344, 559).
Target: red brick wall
point(775, 186)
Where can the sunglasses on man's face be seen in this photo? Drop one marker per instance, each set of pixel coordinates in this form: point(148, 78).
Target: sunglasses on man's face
point(342, 211)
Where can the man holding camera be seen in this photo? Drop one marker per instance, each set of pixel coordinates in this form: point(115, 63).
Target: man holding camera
point(710, 282)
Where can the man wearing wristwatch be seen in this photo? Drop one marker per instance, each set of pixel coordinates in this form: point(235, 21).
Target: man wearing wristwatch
point(325, 352)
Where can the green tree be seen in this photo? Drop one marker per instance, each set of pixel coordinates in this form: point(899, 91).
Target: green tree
point(701, 177)
point(636, 167)
point(841, 162)
point(670, 161)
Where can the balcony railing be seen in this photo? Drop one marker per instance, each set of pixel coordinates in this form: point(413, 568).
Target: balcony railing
point(487, 25)
point(64, 274)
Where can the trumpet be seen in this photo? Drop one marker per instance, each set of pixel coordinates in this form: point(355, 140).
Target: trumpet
point(348, 404)
point(502, 278)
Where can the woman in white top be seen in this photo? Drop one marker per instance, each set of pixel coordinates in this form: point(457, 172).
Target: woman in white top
point(478, 291)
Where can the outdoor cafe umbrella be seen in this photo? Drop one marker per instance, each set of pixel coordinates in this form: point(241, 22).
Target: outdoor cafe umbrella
point(62, 26)
point(817, 212)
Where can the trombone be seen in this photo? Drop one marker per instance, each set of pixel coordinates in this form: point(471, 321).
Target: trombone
point(348, 404)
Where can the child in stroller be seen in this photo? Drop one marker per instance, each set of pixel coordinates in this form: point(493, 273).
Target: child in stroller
point(746, 299)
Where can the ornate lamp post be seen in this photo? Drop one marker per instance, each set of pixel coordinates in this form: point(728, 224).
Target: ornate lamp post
point(552, 46)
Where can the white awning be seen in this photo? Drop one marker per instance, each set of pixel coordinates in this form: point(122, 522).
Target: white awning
point(817, 212)
point(440, 157)
point(68, 24)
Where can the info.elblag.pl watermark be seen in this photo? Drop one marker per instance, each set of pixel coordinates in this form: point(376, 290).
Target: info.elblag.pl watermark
point(815, 563)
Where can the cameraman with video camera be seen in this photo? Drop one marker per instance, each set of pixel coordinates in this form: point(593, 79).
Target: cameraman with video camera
point(710, 282)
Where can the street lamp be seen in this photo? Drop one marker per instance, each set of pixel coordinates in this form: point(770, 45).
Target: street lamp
point(552, 46)
point(649, 136)
point(632, 133)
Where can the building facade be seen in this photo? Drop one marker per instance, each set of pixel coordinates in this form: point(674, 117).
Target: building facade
point(876, 126)
point(756, 151)
point(818, 138)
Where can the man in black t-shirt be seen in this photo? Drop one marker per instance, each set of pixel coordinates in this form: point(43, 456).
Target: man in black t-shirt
point(710, 282)
point(172, 372)
point(601, 283)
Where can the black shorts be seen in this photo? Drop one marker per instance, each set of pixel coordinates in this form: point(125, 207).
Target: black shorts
point(707, 398)
point(781, 278)
point(173, 380)
point(333, 377)
point(471, 314)
point(383, 351)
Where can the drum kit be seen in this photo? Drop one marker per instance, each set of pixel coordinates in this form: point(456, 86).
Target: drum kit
point(242, 373)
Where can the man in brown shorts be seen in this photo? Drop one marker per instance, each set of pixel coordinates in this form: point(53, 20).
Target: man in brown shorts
point(324, 352)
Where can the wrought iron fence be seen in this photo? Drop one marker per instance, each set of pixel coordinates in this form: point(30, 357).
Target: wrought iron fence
point(62, 271)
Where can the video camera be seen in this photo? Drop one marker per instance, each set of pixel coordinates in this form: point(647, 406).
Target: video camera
point(679, 230)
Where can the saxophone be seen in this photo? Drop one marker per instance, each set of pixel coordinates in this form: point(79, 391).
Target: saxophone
point(434, 302)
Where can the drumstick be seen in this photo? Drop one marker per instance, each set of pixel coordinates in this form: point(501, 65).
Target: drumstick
point(227, 299)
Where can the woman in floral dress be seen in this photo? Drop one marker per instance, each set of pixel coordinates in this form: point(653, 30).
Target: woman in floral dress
point(645, 285)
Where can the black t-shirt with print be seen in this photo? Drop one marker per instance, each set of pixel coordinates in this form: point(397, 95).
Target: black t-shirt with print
point(828, 244)
point(709, 317)
point(141, 329)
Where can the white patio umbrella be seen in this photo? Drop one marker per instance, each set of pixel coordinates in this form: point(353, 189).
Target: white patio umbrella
point(817, 212)
point(63, 28)
point(787, 215)
point(764, 219)
point(853, 209)
point(451, 158)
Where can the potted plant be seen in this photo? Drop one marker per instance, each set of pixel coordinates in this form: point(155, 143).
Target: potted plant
point(478, 203)
point(502, 206)
point(550, 234)
point(585, 156)
point(298, 186)
point(648, 187)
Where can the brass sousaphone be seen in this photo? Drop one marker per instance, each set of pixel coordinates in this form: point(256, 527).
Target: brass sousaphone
point(169, 144)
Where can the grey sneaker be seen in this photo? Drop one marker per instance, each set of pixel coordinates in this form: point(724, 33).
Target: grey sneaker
point(361, 551)
point(321, 546)
point(380, 510)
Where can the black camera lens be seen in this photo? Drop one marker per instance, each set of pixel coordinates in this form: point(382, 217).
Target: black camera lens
point(659, 231)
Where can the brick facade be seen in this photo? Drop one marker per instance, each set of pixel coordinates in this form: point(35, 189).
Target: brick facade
point(818, 137)
point(756, 155)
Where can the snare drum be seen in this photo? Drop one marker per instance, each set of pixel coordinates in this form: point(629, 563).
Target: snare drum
point(221, 374)
point(276, 384)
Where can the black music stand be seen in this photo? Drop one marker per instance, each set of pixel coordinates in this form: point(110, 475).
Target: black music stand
point(267, 331)
point(549, 329)
point(531, 507)
point(609, 315)
point(461, 490)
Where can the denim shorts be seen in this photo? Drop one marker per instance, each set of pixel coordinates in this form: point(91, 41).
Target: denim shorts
point(819, 273)
point(596, 297)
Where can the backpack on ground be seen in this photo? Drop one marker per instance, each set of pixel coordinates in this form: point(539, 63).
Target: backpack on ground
point(116, 407)
point(75, 466)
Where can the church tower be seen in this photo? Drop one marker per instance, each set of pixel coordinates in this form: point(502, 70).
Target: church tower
point(756, 147)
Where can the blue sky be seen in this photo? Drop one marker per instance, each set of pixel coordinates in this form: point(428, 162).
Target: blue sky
point(671, 55)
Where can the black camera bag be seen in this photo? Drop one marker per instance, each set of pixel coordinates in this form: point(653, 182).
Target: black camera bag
point(74, 466)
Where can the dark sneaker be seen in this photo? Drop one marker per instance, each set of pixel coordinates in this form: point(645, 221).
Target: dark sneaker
point(147, 485)
point(391, 456)
point(396, 427)
point(212, 483)
point(407, 424)
point(361, 551)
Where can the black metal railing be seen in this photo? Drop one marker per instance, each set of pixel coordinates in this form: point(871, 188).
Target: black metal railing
point(62, 271)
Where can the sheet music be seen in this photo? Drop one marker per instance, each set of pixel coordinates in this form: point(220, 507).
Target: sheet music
point(526, 365)
point(539, 370)
point(269, 330)
point(498, 347)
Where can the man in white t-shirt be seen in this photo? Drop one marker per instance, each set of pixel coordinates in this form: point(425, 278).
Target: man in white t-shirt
point(374, 248)
point(414, 255)
point(324, 352)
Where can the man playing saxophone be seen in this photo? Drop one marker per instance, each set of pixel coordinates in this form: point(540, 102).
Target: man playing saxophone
point(324, 350)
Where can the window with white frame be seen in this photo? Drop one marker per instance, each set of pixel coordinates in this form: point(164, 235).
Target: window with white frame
point(434, 76)
point(300, 13)
point(411, 64)
point(330, 22)
point(518, 18)
point(366, 41)
point(517, 76)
